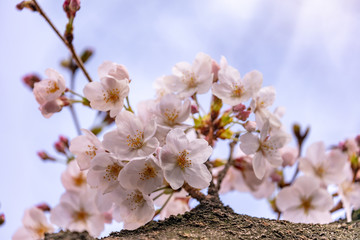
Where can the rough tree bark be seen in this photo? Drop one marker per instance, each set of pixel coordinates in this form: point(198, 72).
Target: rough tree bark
point(212, 220)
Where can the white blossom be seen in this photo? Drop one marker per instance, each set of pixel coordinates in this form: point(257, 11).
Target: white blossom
point(85, 148)
point(77, 212)
point(265, 148)
point(305, 202)
point(73, 179)
point(183, 160)
point(143, 174)
point(233, 90)
point(132, 207)
point(108, 94)
point(132, 139)
point(329, 168)
point(190, 79)
point(104, 172)
point(117, 71)
point(35, 225)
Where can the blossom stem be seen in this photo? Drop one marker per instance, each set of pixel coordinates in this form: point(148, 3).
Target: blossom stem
point(68, 44)
point(128, 103)
point(228, 164)
point(159, 195)
point(159, 189)
point(74, 93)
point(163, 206)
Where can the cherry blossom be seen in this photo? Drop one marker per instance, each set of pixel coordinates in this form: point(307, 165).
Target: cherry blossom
point(183, 160)
point(171, 111)
point(259, 105)
point(143, 174)
point(190, 79)
point(305, 202)
point(329, 168)
point(73, 179)
point(132, 139)
point(231, 88)
point(350, 196)
point(108, 94)
point(85, 148)
point(104, 172)
point(49, 89)
point(265, 148)
point(117, 71)
point(35, 225)
point(132, 207)
point(77, 212)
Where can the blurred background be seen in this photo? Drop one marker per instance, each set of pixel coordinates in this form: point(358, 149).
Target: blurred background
point(309, 50)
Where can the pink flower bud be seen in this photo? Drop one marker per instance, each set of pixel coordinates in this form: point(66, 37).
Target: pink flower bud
point(250, 126)
point(30, 80)
point(64, 140)
point(243, 115)
point(2, 219)
point(71, 7)
point(194, 109)
point(60, 147)
point(44, 207)
point(44, 156)
point(239, 108)
point(215, 69)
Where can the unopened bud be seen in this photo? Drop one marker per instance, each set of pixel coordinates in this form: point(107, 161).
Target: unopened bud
point(30, 80)
point(215, 70)
point(276, 176)
point(2, 219)
point(44, 207)
point(60, 147)
point(239, 108)
point(71, 7)
point(250, 126)
point(194, 109)
point(64, 140)
point(86, 55)
point(44, 156)
point(26, 4)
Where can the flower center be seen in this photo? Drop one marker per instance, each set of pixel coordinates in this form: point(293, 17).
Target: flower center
point(111, 95)
point(237, 91)
point(52, 87)
point(91, 151)
point(148, 172)
point(136, 199)
point(112, 172)
point(190, 80)
point(40, 231)
point(171, 115)
point(306, 204)
point(320, 171)
point(80, 216)
point(135, 141)
point(183, 160)
point(79, 180)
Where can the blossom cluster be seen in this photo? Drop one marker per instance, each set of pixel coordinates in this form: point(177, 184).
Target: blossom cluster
point(139, 169)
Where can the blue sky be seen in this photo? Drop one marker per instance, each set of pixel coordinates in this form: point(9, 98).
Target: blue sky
point(307, 49)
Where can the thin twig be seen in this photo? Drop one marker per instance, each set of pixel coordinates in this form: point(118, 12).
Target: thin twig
point(228, 164)
point(68, 45)
point(71, 107)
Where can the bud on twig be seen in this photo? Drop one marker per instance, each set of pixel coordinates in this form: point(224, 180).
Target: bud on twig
point(26, 4)
point(44, 156)
point(71, 7)
point(44, 207)
point(30, 80)
point(2, 219)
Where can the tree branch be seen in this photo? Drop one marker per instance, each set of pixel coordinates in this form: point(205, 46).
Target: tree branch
point(68, 45)
point(194, 193)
